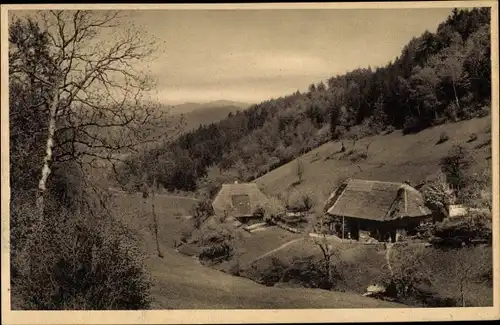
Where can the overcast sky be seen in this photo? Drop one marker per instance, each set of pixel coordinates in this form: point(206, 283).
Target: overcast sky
point(254, 55)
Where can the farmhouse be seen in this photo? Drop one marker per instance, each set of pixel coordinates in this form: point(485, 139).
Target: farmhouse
point(239, 201)
point(384, 209)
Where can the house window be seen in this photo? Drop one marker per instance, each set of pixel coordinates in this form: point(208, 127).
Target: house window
point(242, 204)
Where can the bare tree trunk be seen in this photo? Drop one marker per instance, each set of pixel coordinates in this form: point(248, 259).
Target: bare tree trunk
point(388, 258)
point(155, 219)
point(462, 293)
point(329, 270)
point(455, 93)
point(47, 159)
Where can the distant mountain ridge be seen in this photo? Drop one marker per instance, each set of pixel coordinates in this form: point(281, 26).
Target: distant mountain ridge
point(226, 105)
point(196, 114)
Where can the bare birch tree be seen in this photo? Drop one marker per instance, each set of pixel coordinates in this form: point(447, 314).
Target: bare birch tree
point(95, 100)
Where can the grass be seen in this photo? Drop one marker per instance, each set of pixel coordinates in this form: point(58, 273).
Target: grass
point(258, 243)
point(363, 265)
point(180, 282)
point(393, 157)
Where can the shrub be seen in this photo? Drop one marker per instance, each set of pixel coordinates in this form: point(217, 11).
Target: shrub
point(359, 156)
point(272, 211)
point(475, 225)
point(407, 273)
point(412, 125)
point(201, 211)
point(472, 137)
point(300, 202)
point(443, 137)
point(389, 129)
point(438, 194)
point(339, 132)
point(259, 212)
point(271, 274)
point(308, 273)
point(455, 166)
point(216, 245)
point(478, 190)
point(216, 253)
point(77, 261)
point(484, 111)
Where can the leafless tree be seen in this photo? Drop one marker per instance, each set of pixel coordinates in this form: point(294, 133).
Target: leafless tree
point(300, 171)
point(155, 218)
point(95, 107)
point(469, 265)
point(407, 270)
point(328, 250)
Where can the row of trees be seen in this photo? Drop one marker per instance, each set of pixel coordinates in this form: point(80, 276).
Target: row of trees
point(439, 77)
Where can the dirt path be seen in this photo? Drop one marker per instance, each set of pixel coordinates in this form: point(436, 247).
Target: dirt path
point(274, 250)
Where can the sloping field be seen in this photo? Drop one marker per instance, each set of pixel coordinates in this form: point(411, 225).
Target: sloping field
point(180, 282)
point(258, 243)
point(364, 265)
point(391, 157)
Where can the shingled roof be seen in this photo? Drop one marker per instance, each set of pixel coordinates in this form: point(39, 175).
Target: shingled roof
point(375, 200)
point(243, 199)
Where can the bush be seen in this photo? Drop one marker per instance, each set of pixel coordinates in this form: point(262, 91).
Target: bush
point(438, 194)
point(300, 202)
point(272, 211)
point(389, 129)
point(443, 137)
point(413, 125)
point(339, 132)
point(76, 261)
point(216, 245)
point(472, 137)
point(484, 111)
point(306, 272)
point(456, 165)
point(359, 156)
point(407, 273)
point(216, 253)
point(271, 274)
point(475, 225)
point(201, 212)
point(309, 274)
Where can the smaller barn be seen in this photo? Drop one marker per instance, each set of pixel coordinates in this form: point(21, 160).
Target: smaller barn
point(240, 201)
point(384, 209)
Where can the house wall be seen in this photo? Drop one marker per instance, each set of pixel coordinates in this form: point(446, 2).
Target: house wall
point(248, 220)
point(382, 231)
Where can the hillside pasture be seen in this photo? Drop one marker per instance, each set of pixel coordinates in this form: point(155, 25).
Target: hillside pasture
point(362, 265)
point(391, 157)
point(181, 282)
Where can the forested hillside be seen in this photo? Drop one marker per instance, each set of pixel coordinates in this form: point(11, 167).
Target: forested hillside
point(438, 78)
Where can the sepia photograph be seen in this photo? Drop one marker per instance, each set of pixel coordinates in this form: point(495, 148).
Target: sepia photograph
point(250, 162)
